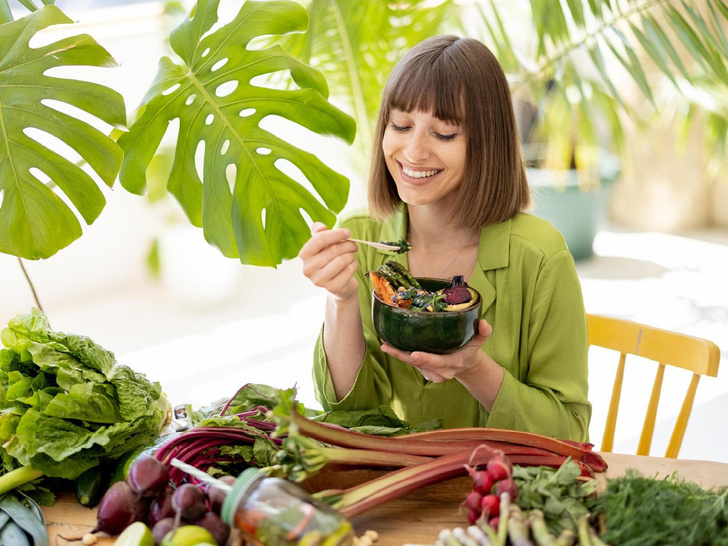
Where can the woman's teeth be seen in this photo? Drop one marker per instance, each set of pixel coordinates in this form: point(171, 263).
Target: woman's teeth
point(418, 174)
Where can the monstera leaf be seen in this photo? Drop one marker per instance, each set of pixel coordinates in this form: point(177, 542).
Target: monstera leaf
point(257, 216)
point(35, 222)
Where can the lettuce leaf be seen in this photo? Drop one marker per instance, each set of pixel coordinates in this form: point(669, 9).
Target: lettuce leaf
point(66, 406)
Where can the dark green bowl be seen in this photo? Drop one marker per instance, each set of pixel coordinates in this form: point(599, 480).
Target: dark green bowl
point(440, 333)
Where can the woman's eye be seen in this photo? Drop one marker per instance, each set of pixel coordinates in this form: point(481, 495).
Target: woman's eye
point(445, 137)
point(398, 128)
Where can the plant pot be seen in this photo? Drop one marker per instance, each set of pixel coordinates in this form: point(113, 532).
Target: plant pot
point(575, 211)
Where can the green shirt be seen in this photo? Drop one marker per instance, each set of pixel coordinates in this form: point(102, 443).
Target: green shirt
point(532, 299)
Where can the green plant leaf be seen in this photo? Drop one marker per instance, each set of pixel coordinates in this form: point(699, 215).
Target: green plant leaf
point(633, 65)
point(695, 45)
point(655, 50)
point(34, 221)
point(654, 29)
point(576, 8)
point(712, 41)
point(357, 58)
point(595, 53)
point(259, 218)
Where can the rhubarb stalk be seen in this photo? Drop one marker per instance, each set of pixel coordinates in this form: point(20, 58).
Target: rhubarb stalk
point(397, 483)
point(303, 457)
point(432, 443)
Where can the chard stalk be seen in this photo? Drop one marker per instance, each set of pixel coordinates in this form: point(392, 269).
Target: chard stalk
point(18, 477)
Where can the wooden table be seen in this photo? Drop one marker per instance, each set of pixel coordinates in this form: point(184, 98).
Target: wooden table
point(418, 517)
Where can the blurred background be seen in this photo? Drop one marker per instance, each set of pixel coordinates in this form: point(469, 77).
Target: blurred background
point(623, 111)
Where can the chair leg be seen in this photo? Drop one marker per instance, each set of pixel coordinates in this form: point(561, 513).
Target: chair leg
point(608, 437)
point(673, 448)
point(648, 428)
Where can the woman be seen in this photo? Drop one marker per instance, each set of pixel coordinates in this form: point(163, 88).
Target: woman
point(447, 175)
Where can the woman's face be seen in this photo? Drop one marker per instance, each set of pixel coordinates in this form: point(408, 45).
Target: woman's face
point(425, 156)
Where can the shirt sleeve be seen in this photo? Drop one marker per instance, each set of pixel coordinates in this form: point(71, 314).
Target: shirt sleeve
point(553, 399)
point(372, 386)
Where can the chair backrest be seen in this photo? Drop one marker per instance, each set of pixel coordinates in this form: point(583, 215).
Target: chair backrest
point(667, 348)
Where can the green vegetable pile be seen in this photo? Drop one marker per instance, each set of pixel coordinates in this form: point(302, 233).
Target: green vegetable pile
point(563, 498)
point(646, 512)
point(66, 406)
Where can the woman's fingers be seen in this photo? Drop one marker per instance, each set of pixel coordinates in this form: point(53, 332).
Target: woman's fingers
point(329, 260)
point(337, 278)
point(322, 238)
point(317, 227)
point(484, 332)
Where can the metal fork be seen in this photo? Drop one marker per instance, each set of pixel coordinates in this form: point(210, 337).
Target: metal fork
point(382, 246)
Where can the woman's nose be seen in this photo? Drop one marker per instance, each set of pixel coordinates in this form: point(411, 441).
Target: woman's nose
point(416, 149)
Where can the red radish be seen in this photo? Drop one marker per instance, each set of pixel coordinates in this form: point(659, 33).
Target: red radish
point(482, 481)
point(494, 523)
point(499, 468)
point(507, 486)
point(490, 504)
point(473, 516)
point(472, 501)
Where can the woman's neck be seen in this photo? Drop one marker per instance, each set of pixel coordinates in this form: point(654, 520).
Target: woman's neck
point(435, 229)
point(439, 248)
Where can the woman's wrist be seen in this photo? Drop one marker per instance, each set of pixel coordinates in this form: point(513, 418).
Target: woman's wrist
point(483, 379)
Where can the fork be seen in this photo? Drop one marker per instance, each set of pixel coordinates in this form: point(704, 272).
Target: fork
point(381, 246)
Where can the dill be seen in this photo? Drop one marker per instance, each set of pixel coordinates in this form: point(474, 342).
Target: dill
point(645, 512)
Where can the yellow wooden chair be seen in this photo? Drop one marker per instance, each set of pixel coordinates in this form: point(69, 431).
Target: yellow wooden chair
point(666, 348)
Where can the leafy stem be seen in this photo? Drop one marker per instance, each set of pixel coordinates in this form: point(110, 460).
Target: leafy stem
point(30, 283)
point(549, 62)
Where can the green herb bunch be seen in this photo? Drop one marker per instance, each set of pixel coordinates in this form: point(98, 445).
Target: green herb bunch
point(66, 406)
point(647, 511)
point(559, 493)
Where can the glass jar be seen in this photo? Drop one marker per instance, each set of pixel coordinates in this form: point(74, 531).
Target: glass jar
point(275, 512)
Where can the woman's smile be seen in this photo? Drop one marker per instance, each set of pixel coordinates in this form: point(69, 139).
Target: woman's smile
point(417, 175)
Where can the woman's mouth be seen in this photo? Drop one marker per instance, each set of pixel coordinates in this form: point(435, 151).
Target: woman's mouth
point(418, 174)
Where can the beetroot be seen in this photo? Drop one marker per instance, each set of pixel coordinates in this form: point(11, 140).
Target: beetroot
point(457, 292)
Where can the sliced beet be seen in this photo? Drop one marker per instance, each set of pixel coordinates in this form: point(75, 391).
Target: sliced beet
point(457, 292)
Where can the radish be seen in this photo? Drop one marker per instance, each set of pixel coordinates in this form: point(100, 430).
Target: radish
point(472, 501)
point(499, 468)
point(482, 482)
point(490, 505)
point(507, 486)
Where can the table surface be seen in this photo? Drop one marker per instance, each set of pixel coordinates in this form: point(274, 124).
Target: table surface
point(415, 519)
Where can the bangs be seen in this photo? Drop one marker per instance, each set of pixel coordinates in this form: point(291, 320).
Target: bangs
point(428, 85)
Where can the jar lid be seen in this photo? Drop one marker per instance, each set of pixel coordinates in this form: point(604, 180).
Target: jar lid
point(240, 488)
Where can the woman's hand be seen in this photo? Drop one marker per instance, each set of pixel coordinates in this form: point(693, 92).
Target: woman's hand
point(329, 261)
point(439, 368)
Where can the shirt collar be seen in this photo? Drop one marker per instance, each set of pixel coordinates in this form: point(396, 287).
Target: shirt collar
point(494, 246)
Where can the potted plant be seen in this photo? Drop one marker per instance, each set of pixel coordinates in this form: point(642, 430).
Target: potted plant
point(562, 59)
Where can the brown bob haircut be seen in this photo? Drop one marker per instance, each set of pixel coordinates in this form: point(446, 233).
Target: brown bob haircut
point(459, 81)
